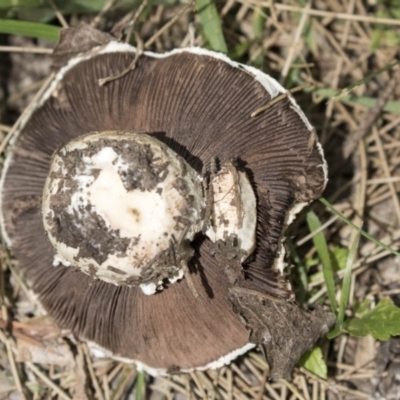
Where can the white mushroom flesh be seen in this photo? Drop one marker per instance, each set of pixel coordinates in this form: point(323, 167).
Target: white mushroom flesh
point(234, 209)
point(131, 206)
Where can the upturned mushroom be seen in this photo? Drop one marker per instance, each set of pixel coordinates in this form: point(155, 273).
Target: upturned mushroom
point(148, 213)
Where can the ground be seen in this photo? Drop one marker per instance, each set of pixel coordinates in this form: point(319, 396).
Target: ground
point(345, 56)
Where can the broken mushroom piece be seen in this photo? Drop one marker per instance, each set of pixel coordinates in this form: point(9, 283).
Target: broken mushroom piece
point(189, 111)
point(122, 207)
point(233, 207)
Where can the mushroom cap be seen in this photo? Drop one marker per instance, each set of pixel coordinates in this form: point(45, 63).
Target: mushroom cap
point(199, 104)
point(99, 202)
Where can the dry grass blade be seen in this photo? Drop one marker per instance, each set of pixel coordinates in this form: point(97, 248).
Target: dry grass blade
point(326, 14)
point(131, 26)
point(131, 66)
point(93, 378)
point(98, 17)
point(354, 139)
point(279, 98)
point(299, 30)
point(171, 22)
point(13, 365)
point(35, 50)
point(47, 381)
point(59, 16)
point(329, 44)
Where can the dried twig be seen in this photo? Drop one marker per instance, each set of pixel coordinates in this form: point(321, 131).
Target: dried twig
point(168, 24)
point(327, 14)
point(279, 98)
point(16, 49)
point(59, 16)
point(296, 39)
point(42, 376)
point(97, 18)
point(133, 21)
point(6, 340)
point(93, 376)
point(132, 65)
point(372, 115)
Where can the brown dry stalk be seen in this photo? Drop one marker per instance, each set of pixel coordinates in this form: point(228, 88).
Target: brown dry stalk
point(59, 16)
point(131, 66)
point(17, 49)
point(43, 377)
point(277, 99)
point(372, 115)
point(106, 7)
point(327, 14)
point(168, 24)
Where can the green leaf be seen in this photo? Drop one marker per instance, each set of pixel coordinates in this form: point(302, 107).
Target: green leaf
point(317, 276)
point(31, 29)
point(334, 333)
point(211, 25)
point(362, 308)
point(240, 49)
point(323, 252)
point(382, 322)
point(314, 362)
point(339, 257)
point(311, 262)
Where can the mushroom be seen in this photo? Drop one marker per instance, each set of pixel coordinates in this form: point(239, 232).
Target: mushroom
point(148, 214)
point(122, 207)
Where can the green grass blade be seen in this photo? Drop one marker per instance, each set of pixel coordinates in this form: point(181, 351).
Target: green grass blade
point(302, 284)
point(258, 23)
point(344, 297)
point(21, 3)
point(31, 29)
point(323, 252)
point(211, 25)
point(363, 233)
point(344, 94)
point(140, 381)
point(364, 80)
point(368, 102)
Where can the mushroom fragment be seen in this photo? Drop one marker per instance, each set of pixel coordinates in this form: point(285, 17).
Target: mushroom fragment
point(99, 201)
point(233, 210)
point(197, 104)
